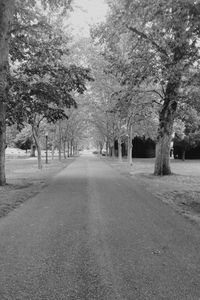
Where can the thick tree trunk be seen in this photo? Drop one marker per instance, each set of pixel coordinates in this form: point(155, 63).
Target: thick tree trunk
point(6, 16)
point(165, 130)
point(37, 143)
point(2, 143)
point(162, 163)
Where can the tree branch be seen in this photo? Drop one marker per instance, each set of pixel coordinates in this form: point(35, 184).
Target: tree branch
point(145, 37)
point(151, 91)
point(156, 92)
point(21, 28)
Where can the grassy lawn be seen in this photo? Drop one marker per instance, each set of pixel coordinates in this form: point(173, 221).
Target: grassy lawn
point(24, 179)
point(180, 190)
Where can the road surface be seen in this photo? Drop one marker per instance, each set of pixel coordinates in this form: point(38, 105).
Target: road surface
point(95, 234)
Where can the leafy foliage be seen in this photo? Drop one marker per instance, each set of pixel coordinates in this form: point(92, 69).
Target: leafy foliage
point(153, 46)
point(23, 139)
point(41, 83)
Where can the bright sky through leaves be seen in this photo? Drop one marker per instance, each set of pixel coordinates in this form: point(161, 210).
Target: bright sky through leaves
point(86, 13)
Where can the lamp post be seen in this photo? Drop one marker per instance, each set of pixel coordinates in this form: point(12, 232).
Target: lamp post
point(46, 138)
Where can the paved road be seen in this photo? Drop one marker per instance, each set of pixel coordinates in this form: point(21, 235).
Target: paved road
point(94, 234)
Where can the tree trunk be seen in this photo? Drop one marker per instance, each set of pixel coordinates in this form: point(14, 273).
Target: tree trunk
point(119, 149)
point(60, 141)
point(2, 144)
point(52, 151)
point(6, 16)
point(37, 143)
point(76, 149)
point(107, 148)
point(68, 149)
point(130, 145)
point(100, 148)
point(53, 144)
point(183, 154)
point(112, 149)
point(71, 148)
point(64, 149)
point(165, 130)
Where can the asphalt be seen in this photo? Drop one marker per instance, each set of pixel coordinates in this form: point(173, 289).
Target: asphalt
point(96, 234)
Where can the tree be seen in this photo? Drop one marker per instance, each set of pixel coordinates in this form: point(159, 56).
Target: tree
point(8, 12)
point(162, 47)
point(100, 102)
point(138, 114)
point(6, 15)
point(23, 139)
point(41, 82)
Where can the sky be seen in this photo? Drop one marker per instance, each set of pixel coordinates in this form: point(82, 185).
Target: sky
point(86, 13)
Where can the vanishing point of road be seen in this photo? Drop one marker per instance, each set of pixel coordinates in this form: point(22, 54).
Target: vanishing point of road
point(96, 234)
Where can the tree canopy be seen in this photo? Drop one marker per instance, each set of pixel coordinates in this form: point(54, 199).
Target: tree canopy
point(153, 47)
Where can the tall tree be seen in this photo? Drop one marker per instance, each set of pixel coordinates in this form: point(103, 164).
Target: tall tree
point(162, 47)
point(8, 10)
point(6, 16)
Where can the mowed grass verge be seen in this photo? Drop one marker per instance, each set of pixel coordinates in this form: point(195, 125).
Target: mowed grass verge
point(181, 190)
point(24, 180)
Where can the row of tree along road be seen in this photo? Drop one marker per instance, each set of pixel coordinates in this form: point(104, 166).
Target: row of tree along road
point(36, 81)
point(141, 69)
point(152, 52)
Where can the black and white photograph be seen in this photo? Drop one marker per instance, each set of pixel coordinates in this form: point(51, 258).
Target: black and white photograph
point(99, 149)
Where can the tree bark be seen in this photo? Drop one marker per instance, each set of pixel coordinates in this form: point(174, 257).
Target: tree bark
point(52, 151)
point(130, 145)
point(165, 130)
point(112, 149)
point(183, 154)
point(68, 149)
point(100, 148)
point(6, 16)
point(64, 149)
point(2, 144)
point(107, 148)
point(71, 148)
point(60, 141)
point(119, 149)
point(53, 144)
point(37, 143)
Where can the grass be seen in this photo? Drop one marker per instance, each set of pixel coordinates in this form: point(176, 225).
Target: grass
point(181, 190)
point(24, 179)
